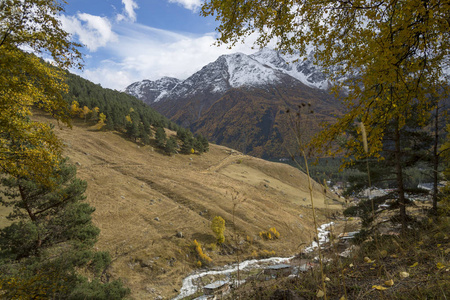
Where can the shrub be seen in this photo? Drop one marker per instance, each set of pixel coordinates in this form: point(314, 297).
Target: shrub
point(272, 234)
point(204, 259)
point(218, 227)
point(263, 253)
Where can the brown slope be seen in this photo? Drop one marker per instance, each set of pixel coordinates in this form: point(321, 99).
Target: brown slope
point(130, 186)
point(254, 121)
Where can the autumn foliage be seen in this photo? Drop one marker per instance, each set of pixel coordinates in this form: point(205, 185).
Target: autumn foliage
point(218, 227)
point(203, 258)
point(271, 234)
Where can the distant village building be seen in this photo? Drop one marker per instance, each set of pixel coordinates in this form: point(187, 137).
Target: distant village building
point(216, 288)
point(425, 186)
point(278, 270)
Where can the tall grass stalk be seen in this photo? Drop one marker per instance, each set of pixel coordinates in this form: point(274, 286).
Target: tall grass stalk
point(299, 126)
point(236, 200)
point(366, 150)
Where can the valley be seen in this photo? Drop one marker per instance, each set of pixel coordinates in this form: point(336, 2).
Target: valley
point(151, 207)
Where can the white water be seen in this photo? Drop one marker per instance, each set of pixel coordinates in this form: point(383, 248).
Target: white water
point(323, 237)
point(189, 283)
point(189, 287)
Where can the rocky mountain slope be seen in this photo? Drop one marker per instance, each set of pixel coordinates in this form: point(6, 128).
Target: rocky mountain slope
point(151, 207)
point(213, 100)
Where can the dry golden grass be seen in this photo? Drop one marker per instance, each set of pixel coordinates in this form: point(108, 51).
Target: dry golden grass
point(131, 185)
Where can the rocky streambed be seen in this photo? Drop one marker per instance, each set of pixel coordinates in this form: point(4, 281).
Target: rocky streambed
point(196, 281)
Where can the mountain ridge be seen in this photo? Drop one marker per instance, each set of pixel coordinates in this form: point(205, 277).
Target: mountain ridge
point(270, 63)
point(262, 84)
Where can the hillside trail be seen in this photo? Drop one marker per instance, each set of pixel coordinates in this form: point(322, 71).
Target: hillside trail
point(150, 207)
point(224, 162)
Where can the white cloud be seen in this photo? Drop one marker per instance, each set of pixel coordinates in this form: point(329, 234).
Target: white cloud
point(92, 31)
point(130, 14)
point(143, 52)
point(188, 4)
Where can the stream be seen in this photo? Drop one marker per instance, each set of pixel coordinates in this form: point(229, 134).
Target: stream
point(190, 283)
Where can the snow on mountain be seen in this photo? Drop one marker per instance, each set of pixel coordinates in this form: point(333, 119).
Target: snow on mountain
point(266, 67)
point(151, 90)
point(294, 65)
point(212, 77)
point(243, 70)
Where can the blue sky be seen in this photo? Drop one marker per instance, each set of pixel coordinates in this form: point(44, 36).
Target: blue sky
point(131, 40)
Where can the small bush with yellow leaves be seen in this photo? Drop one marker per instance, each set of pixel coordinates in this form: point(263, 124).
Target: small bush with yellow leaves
point(272, 234)
point(203, 258)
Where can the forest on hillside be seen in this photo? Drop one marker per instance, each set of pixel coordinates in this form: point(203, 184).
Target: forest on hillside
point(129, 115)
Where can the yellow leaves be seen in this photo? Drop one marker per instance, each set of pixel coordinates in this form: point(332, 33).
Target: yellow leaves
point(271, 234)
point(414, 265)
point(440, 265)
point(368, 260)
point(389, 282)
point(75, 108)
point(198, 249)
point(379, 287)
point(29, 148)
point(404, 275)
point(101, 119)
point(320, 294)
point(218, 227)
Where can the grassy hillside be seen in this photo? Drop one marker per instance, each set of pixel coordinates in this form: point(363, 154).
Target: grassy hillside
point(144, 198)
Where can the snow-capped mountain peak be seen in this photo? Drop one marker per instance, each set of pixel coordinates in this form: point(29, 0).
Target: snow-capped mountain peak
point(153, 89)
point(265, 67)
point(243, 70)
point(300, 67)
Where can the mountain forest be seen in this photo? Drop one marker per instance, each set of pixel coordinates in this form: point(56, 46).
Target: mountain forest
point(336, 187)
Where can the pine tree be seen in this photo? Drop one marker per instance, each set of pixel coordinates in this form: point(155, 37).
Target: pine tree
point(204, 142)
point(132, 131)
point(160, 136)
point(171, 146)
point(385, 173)
point(188, 144)
point(51, 236)
point(198, 146)
point(145, 139)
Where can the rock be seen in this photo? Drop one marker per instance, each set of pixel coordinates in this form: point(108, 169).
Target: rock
point(179, 234)
point(78, 164)
point(172, 261)
point(123, 197)
point(156, 219)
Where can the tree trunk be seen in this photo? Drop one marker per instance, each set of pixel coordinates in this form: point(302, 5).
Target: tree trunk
point(435, 159)
point(32, 217)
point(399, 174)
